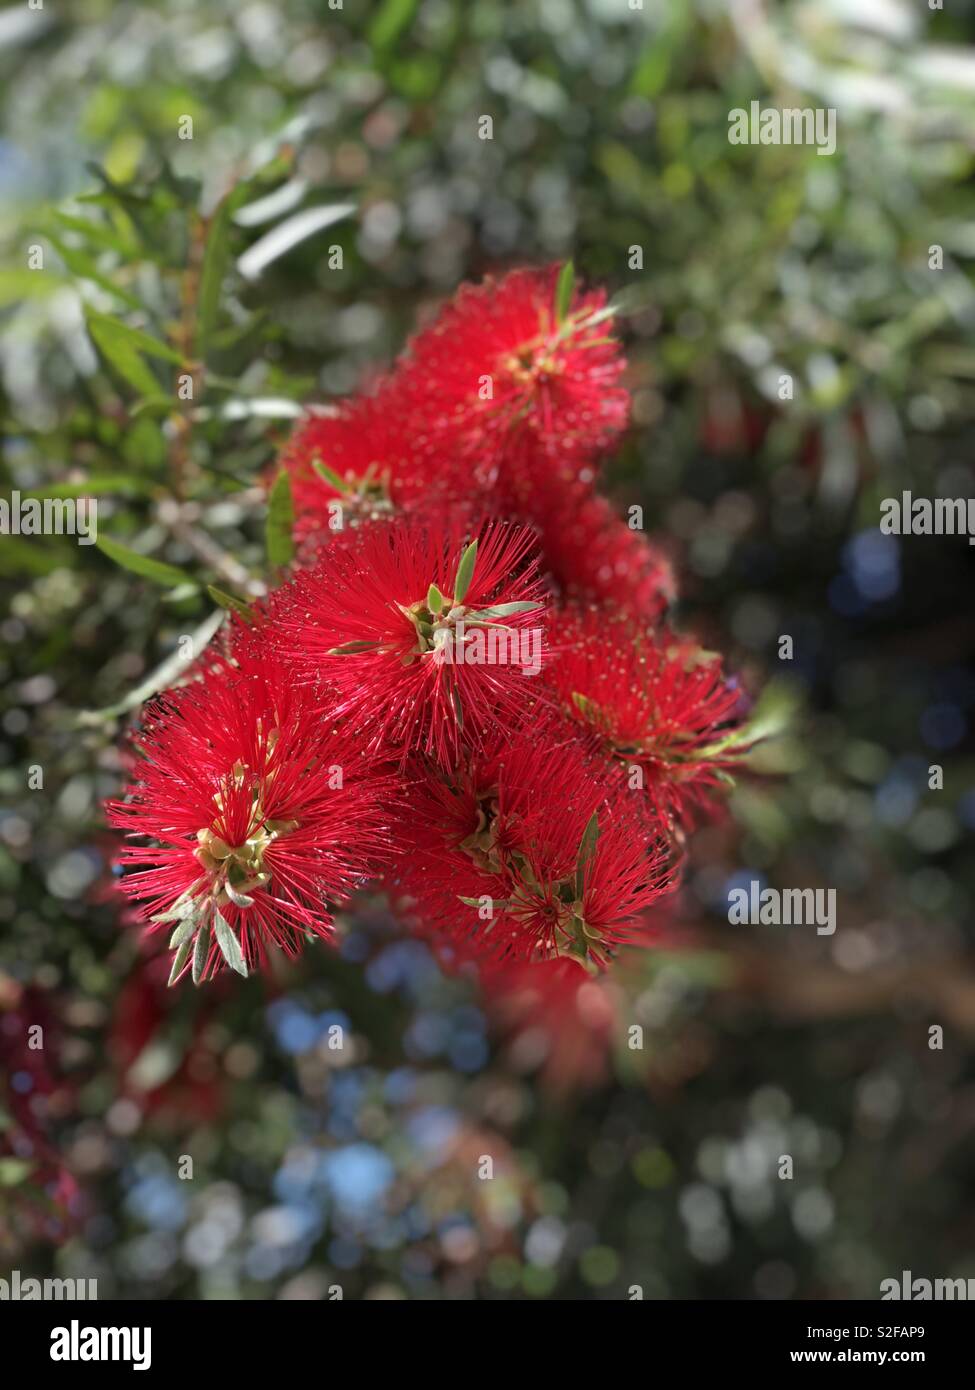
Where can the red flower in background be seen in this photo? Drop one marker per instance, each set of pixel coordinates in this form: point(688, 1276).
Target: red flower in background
point(162, 1056)
point(421, 639)
point(594, 556)
point(39, 1195)
point(656, 703)
point(556, 1017)
point(260, 812)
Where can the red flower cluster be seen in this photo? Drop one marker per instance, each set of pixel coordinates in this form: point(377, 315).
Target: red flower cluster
point(466, 691)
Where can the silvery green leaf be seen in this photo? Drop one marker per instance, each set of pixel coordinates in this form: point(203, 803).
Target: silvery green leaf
point(229, 945)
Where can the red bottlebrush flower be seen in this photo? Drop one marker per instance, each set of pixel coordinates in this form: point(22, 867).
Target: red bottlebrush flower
point(533, 851)
point(426, 643)
point(262, 814)
point(557, 1018)
point(593, 556)
point(522, 387)
point(359, 462)
point(657, 703)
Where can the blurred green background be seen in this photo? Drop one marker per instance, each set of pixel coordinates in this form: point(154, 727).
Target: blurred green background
point(614, 1167)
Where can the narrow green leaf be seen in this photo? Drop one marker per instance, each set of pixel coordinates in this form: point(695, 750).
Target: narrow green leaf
point(179, 960)
point(97, 234)
point(328, 475)
point(458, 707)
point(95, 485)
point(83, 267)
point(229, 945)
point(232, 604)
point(584, 705)
point(216, 258)
point(241, 899)
point(506, 610)
point(350, 648)
point(280, 519)
point(389, 23)
point(587, 849)
point(156, 570)
point(434, 599)
point(139, 340)
point(564, 287)
point(465, 572)
point(117, 348)
point(184, 932)
point(201, 950)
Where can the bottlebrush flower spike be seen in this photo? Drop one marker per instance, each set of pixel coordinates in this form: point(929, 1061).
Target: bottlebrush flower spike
point(658, 704)
point(533, 851)
point(425, 640)
point(593, 556)
point(358, 462)
point(261, 814)
point(514, 372)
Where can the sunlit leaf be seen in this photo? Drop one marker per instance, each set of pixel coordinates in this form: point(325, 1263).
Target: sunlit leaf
point(156, 570)
point(280, 519)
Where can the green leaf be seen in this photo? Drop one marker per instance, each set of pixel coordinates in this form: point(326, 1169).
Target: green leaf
point(241, 899)
point(108, 238)
point(137, 339)
point(328, 475)
point(95, 485)
point(230, 603)
point(84, 268)
point(280, 519)
point(465, 572)
point(586, 707)
point(179, 960)
point(13, 1171)
point(201, 950)
point(350, 648)
point(216, 258)
point(434, 599)
point(389, 23)
point(184, 932)
point(587, 849)
point(156, 570)
point(505, 610)
point(114, 342)
point(229, 945)
point(564, 287)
